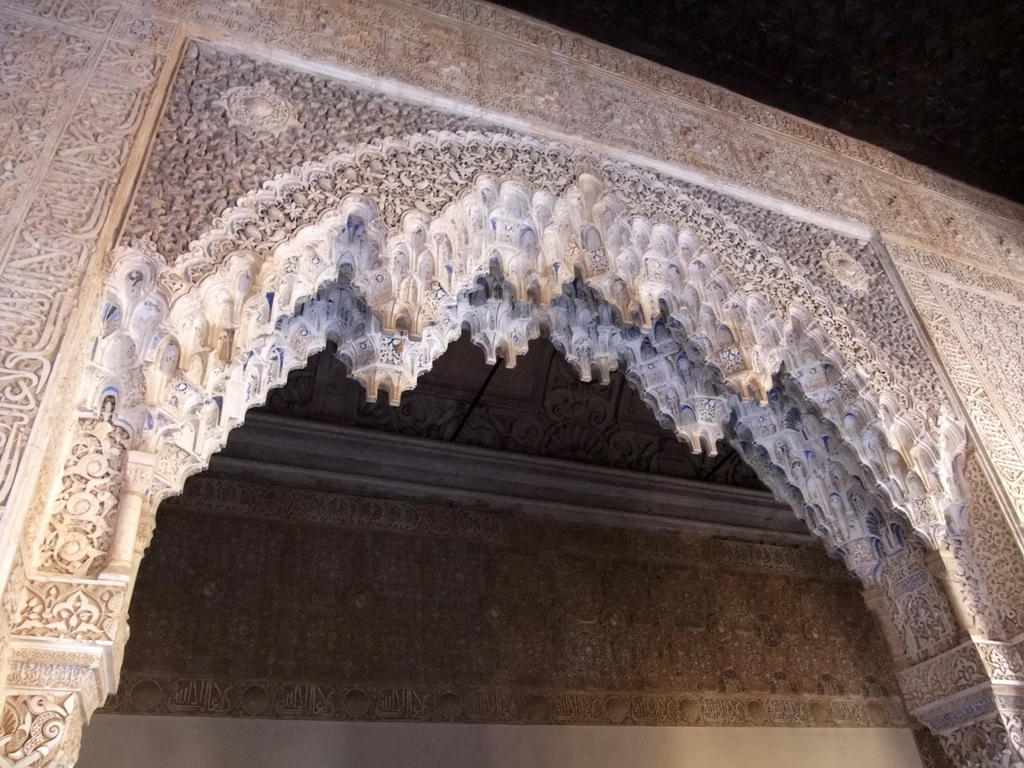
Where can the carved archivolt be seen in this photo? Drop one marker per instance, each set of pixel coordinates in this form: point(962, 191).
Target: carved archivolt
point(391, 249)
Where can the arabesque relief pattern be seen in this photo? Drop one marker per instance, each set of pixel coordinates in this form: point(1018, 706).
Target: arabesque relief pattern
point(74, 88)
point(527, 236)
point(330, 114)
point(972, 314)
point(81, 76)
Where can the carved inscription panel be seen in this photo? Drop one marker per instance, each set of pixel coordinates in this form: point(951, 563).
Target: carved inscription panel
point(75, 80)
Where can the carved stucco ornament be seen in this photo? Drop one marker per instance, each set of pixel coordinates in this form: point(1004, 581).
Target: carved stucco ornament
point(119, 90)
point(258, 108)
point(700, 313)
point(846, 268)
point(644, 247)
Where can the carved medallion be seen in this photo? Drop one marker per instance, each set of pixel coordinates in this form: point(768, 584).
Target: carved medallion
point(846, 268)
point(258, 108)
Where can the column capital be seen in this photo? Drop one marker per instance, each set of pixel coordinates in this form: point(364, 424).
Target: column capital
point(139, 469)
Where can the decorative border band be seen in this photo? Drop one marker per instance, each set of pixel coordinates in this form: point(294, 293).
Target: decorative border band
point(198, 696)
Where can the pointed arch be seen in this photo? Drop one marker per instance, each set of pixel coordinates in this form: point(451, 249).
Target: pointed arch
point(703, 316)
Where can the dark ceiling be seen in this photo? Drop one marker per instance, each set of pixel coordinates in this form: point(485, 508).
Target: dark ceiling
point(940, 82)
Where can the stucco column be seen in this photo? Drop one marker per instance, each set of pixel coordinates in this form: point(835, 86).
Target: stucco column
point(874, 597)
point(52, 687)
point(137, 479)
point(942, 565)
point(970, 698)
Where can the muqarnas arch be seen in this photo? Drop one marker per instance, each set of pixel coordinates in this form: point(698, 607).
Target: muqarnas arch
point(390, 250)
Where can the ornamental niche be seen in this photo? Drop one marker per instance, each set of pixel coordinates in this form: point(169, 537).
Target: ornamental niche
point(391, 249)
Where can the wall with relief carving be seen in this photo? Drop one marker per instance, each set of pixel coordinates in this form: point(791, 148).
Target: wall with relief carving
point(83, 89)
point(80, 77)
point(77, 79)
point(974, 312)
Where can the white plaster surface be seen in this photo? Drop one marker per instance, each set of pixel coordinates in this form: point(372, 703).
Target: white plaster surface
point(126, 741)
